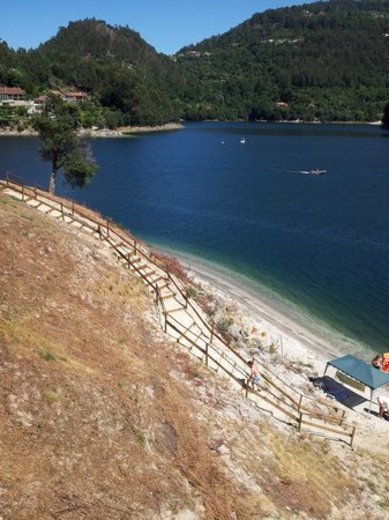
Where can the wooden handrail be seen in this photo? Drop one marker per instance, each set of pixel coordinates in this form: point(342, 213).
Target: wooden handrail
point(140, 249)
point(274, 402)
point(210, 346)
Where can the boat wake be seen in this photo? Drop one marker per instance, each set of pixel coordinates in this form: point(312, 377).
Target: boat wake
point(302, 172)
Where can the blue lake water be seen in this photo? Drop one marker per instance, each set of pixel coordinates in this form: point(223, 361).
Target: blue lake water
point(319, 244)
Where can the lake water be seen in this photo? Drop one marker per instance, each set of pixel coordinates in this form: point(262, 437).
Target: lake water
point(316, 245)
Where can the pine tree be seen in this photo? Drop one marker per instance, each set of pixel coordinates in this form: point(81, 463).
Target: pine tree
point(60, 144)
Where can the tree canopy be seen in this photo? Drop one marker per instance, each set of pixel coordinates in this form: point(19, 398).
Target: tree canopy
point(57, 127)
point(326, 61)
point(323, 61)
point(385, 119)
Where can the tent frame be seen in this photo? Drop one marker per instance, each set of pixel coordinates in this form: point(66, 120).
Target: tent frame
point(352, 376)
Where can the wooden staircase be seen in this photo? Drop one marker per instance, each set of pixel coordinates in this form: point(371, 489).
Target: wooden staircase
point(184, 321)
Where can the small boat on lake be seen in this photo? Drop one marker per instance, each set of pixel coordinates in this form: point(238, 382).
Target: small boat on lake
point(313, 172)
point(317, 172)
point(242, 140)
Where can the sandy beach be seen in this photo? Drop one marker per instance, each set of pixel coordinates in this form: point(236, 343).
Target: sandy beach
point(298, 338)
point(301, 353)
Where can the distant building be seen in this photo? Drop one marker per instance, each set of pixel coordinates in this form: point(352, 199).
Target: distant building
point(78, 97)
point(37, 105)
point(193, 54)
point(40, 100)
point(281, 104)
point(11, 95)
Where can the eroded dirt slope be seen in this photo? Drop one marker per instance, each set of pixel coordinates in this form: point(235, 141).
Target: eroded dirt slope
point(103, 418)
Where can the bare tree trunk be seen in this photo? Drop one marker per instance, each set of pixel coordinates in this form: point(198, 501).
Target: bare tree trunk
point(52, 180)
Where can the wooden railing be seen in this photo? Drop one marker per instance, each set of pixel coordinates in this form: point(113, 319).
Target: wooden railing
point(275, 392)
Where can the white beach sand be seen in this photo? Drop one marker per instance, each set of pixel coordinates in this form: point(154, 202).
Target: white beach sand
point(298, 338)
point(298, 345)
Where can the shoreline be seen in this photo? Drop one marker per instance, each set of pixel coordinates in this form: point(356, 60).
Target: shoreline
point(299, 341)
point(301, 355)
point(130, 131)
point(100, 132)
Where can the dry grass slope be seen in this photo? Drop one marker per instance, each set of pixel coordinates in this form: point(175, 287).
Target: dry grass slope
point(102, 418)
point(92, 425)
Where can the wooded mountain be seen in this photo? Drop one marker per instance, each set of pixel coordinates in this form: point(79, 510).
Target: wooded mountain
point(324, 61)
point(113, 64)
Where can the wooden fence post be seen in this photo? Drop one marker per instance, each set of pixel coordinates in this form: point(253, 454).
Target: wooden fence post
point(72, 207)
point(300, 420)
point(206, 354)
point(62, 213)
point(352, 436)
point(300, 401)
point(23, 192)
point(165, 327)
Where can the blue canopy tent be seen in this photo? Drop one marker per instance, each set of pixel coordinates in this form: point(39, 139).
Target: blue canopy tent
point(360, 372)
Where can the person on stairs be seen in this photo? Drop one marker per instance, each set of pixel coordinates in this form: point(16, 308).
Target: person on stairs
point(254, 377)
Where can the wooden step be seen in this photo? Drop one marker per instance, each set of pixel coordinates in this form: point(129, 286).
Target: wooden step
point(166, 296)
point(134, 260)
point(151, 273)
point(142, 267)
point(160, 278)
point(163, 286)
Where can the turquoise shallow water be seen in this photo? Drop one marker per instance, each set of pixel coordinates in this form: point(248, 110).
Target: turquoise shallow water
point(322, 335)
point(317, 246)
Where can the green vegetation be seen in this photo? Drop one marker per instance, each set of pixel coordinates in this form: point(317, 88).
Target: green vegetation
point(325, 61)
point(385, 119)
point(47, 355)
point(13, 116)
point(50, 396)
point(60, 145)
point(128, 82)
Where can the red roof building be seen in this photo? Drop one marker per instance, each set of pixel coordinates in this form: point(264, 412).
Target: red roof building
point(11, 94)
point(75, 96)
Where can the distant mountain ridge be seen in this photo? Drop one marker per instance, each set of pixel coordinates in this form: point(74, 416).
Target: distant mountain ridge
point(326, 61)
point(95, 39)
point(117, 66)
point(114, 65)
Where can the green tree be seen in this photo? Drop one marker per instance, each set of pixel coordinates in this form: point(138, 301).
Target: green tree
point(385, 118)
point(60, 144)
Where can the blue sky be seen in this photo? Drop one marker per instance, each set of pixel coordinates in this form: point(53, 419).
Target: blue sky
point(167, 25)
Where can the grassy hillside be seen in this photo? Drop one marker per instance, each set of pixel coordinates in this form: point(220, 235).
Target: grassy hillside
point(103, 417)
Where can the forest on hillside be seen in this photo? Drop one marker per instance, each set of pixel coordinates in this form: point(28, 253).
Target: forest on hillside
point(325, 61)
